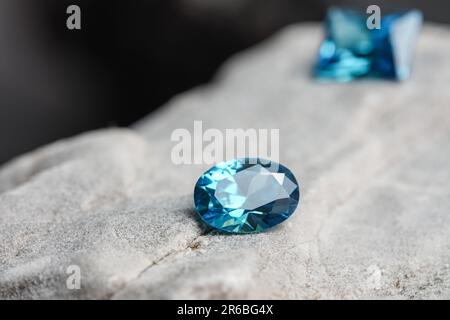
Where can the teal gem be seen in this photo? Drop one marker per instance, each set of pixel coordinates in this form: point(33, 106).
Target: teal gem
point(246, 195)
point(351, 50)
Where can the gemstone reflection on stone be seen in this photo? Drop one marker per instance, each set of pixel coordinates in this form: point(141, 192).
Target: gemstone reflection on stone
point(246, 195)
point(351, 50)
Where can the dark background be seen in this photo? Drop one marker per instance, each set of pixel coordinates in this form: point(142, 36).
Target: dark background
point(130, 56)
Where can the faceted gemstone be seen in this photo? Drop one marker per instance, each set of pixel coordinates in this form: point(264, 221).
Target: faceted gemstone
point(351, 50)
point(246, 195)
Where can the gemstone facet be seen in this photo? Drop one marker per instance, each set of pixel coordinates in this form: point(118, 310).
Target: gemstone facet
point(351, 50)
point(246, 195)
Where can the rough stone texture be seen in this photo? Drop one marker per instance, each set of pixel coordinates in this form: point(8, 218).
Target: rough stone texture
point(372, 158)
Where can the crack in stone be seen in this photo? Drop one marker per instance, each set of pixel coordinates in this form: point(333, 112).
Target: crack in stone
point(194, 244)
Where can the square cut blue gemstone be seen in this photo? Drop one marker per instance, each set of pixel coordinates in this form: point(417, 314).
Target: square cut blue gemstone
point(351, 50)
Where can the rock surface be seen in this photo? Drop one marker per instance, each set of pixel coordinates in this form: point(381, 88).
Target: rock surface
point(372, 158)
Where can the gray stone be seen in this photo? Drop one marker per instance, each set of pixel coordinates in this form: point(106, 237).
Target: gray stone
point(371, 156)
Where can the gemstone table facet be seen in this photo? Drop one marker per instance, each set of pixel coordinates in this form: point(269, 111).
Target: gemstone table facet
point(351, 50)
point(246, 195)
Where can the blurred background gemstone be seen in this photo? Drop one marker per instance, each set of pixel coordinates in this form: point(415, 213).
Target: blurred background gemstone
point(351, 50)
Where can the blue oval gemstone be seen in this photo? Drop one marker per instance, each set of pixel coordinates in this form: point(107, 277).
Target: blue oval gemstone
point(246, 195)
